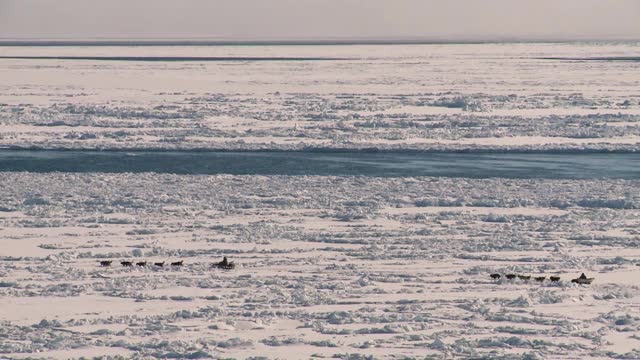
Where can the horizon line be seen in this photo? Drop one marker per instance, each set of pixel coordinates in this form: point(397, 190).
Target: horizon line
point(204, 41)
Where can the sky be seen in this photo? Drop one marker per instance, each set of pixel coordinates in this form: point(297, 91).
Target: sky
point(320, 19)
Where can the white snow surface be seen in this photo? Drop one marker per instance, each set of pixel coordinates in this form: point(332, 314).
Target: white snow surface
point(328, 267)
point(342, 267)
point(484, 96)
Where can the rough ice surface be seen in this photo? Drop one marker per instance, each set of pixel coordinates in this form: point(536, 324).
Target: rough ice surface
point(347, 267)
point(505, 96)
point(329, 266)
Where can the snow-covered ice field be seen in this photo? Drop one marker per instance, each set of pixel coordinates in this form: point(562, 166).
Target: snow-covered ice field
point(329, 266)
point(350, 267)
point(421, 96)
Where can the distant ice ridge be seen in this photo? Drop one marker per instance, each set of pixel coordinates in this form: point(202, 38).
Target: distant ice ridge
point(355, 121)
point(449, 97)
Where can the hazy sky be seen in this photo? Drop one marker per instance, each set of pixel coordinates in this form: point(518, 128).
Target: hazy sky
point(319, 19)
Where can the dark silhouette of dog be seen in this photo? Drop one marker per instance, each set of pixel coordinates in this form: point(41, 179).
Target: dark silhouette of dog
point(540, 278)
point(141, 263)
point(554, 278)
point(510, 276)
point(177, 263)
point(523, 277)
point(495, 276)
point(126, 263)
point(106, 262)
point(160, 264)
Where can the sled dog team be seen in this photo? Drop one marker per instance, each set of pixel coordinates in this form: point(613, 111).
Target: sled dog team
point(224, 264)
